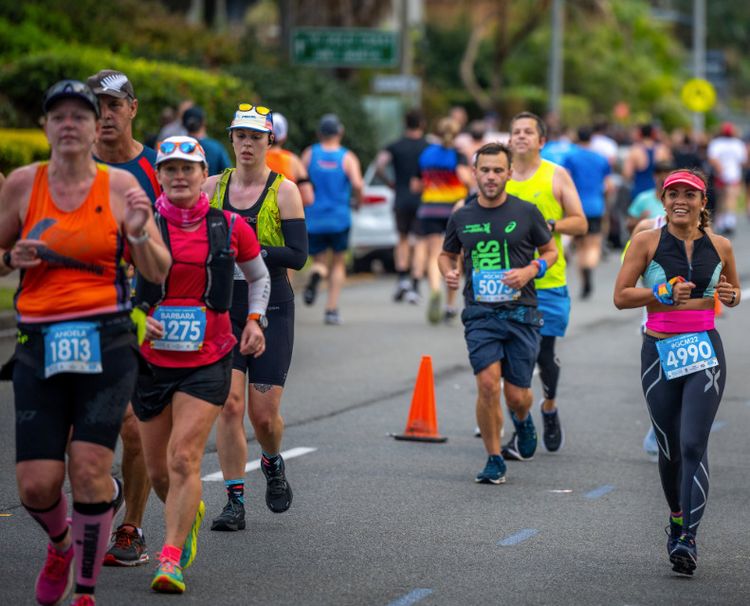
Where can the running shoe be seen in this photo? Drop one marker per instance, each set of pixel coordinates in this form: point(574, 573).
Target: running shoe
point(449, 315)
point(332, 317)
point(674, 532)
point(493, 472)
point(522, 445)
point(128, 547)
point(650, 446)
point(434, 314)
point(311, 290)
point(402, 289)
point(168, 577)
point(278, 491)
point(684, 555)
point(553, 436)
point(56, 578)
point(412, 297)
point(190, 547)
point(83, 600)
point(231, 518)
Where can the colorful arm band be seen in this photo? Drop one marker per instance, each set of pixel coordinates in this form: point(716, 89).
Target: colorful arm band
point(663, 291)
point(541, 266)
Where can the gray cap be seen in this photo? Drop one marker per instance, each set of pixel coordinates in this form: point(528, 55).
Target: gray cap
point(330, 125)
point(111, 82)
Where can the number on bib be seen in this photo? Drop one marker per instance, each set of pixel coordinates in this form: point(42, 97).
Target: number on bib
point(72, 347)
point(184, 328)
point(685, 354)
point(489, 287)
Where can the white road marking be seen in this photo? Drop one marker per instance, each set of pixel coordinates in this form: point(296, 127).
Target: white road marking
point(252, 465)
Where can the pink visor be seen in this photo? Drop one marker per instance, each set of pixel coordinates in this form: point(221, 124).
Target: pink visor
point(686, 178)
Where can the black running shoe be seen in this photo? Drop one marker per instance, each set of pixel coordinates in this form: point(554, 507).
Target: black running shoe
point(684, 555)
point(553, 436)
point(278, 491)
point(232, 517)
point(311, 290)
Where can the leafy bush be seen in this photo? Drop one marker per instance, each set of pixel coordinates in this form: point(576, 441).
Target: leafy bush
point(19, 147)
point(156, 84)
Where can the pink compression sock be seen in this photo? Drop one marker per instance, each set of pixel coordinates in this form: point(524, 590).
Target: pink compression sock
point(92, 525)
point(53, 520)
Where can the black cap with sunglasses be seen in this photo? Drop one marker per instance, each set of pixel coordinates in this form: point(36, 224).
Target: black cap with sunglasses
point(69, 89)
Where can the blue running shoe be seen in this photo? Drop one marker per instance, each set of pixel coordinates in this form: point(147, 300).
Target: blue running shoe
point(522, 446)
point(674, 532)
point(684, 555)
point(493, 472)
point(649, 443)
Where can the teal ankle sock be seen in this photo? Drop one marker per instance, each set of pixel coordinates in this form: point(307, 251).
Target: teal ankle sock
point(235, 489)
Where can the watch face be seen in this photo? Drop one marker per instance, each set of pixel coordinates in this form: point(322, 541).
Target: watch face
point(263, 322)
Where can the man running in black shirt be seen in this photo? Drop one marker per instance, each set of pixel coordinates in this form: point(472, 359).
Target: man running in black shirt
point(499, 235)
point(403, 156)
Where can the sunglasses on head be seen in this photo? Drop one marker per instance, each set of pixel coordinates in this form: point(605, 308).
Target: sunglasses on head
point(186, 147)
point(260, 109)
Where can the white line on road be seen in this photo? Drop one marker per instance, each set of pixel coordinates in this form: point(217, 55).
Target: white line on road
point(251, 465)
point(518, 537)
point(414, 596)
point(599, 492)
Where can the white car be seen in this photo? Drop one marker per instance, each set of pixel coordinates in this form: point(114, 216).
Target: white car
point(373, 234)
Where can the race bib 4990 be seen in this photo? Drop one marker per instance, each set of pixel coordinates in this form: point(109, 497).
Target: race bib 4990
point(685, 354)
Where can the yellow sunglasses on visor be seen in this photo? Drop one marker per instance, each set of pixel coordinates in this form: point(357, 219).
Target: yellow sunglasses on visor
point(260, 109)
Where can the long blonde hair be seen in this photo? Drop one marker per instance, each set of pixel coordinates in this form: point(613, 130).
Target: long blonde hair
point(447, 129)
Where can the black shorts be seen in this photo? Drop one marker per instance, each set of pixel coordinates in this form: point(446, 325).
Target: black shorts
point(272, 366)
point(406, 221)
point(155, 389)
point(92, 404)
point(335, 241)
point(431, 225)
point(595, 225)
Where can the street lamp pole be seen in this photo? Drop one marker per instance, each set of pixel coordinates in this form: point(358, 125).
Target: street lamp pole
point(699, 56)
point(556, 58)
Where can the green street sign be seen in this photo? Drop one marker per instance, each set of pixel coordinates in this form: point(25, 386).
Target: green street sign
point(345, 47)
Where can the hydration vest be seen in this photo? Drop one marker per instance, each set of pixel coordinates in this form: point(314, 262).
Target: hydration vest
point(219, 265)
point(268, 225)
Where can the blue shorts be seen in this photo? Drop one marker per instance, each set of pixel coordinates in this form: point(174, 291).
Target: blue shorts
point(336, 241)
point(490, 339)
point(554, 303)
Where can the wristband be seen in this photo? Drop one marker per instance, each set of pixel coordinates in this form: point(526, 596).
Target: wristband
point(136, 240)
point(8, 259)
point(734, 295)
point(663, 292)
point(541, 265)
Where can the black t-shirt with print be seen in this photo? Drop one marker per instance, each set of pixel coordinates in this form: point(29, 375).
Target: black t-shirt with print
point(495, 239)
point(405, 159)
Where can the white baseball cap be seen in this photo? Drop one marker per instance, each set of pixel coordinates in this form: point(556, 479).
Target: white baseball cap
point(253, 117)
point(181, 148)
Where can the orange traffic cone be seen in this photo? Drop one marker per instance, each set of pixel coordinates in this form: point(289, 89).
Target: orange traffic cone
point(422, 423)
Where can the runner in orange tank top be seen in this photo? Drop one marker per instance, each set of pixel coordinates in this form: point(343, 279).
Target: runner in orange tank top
point(288, 163)
point(75, 363)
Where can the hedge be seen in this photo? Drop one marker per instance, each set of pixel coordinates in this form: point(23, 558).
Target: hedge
point(19, 147)
point(157, 85)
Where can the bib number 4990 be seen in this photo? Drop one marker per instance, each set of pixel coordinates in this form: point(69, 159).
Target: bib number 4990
point(685, 354)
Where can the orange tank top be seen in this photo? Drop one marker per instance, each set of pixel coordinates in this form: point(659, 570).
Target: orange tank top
point(82, 272)
point(280, 161)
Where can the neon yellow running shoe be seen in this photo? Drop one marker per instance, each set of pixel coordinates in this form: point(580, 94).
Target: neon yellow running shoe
point(168, 578)
point(191, 542)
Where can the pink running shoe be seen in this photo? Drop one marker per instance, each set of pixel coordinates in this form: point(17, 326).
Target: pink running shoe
point(83, 600)
point(56, 578)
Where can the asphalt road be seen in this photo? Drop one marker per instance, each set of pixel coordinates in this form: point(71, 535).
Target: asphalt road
point(382, 522)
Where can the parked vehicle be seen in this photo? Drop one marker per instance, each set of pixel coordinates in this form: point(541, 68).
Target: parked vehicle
point(373, 233)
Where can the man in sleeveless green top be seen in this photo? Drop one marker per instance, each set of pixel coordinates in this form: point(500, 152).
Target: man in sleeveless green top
point(550, 188)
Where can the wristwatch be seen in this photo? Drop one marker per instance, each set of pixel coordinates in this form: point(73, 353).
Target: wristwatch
point(260, 319)
point(8, 260)
point(551, 223)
